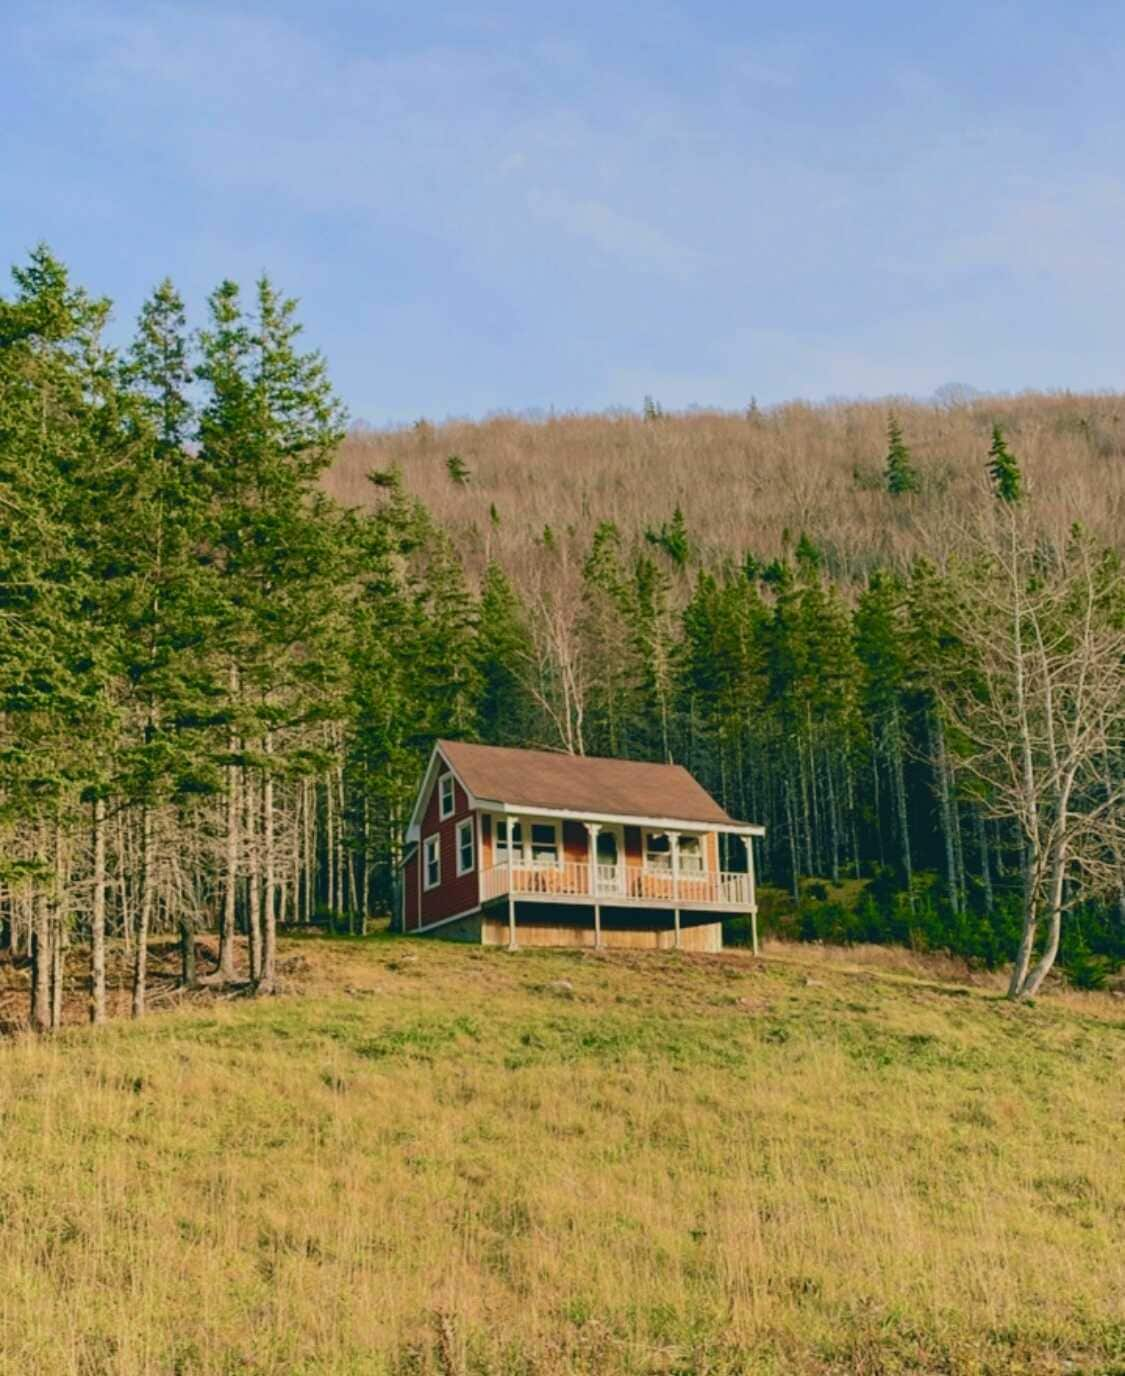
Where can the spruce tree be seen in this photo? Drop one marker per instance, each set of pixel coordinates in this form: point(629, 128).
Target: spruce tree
point(162, 593)
point(901, 476)
point(1007, 481)
point(269, 426)
point(504, 654)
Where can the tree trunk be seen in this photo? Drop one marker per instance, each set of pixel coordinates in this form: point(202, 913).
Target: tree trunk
point(941, 772)
point(267, 982)
point(877, 801)
point(982, 845)
point(1030, 925)
point(253, 878)
point(833, 823)
point(1033, 984)
point(41, 965)
point(230, 893)
point(144, 915)
point(308, 851)
point(898, 774)
point(791, 828)
point(57, 966)
point(97, 917)
point(330, 853)
point(189, 979)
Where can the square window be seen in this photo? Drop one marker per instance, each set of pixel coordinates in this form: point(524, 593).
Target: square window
point(544, 843)
point(445, 796)
point(691, 854)
point(466, 851)
point(502, 831)
point(431, 862)
point(658, 850)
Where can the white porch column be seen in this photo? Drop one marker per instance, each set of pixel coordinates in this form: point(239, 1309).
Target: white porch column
point(749, 842)
point(511, 826)
point(674, 846)
point(592, 829)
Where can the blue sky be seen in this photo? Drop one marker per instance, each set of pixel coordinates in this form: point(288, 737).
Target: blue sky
point(505, 206)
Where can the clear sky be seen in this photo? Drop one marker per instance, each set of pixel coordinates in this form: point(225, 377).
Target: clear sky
point(507, 205)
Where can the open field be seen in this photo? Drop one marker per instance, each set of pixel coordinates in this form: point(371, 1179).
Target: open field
point(450, 1160)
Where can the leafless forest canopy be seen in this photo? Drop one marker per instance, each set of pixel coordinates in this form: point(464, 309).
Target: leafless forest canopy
point(743, 480)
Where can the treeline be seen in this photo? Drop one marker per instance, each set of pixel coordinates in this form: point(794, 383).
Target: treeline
point(218, 686)
point(215, 683)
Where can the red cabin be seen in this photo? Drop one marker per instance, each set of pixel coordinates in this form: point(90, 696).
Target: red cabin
point(526, 847)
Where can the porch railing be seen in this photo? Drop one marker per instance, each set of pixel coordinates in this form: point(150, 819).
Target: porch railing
point(619, 883)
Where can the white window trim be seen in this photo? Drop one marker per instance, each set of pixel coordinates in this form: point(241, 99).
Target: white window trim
point(664, 865)
point(701, 854)
point(499, 848)
point(554, 824)
point(426, 885)
point(461, 827)
point(445, 813)
point(524, 855)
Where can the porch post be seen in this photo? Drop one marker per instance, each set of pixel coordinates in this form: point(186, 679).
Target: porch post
point(592, 829)
point(674, 845)
point(511, 821)
point(749, 841)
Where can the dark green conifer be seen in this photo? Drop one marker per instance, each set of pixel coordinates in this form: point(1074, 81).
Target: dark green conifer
point(1007, 481)
point(901, 476)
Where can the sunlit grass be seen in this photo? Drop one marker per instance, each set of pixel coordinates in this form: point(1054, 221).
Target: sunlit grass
point(555, 1163)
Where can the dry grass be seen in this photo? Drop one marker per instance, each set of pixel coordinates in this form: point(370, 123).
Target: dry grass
point(741, 482)
point(449, 1160)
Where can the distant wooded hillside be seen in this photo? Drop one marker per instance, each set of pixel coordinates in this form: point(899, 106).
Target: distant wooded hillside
point(741, 481)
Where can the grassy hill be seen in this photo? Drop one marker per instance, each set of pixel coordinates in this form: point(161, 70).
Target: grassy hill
point(446, 1160)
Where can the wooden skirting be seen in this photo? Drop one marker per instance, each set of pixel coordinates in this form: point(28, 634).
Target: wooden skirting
point(707, 937)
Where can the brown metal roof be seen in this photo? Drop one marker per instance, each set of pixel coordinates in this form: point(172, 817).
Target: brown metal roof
point(575, 783)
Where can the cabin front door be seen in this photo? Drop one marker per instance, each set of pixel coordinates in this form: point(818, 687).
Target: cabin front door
point(610, 852)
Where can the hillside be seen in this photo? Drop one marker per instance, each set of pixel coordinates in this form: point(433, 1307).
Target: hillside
point(448, 1160)
point(742, 480)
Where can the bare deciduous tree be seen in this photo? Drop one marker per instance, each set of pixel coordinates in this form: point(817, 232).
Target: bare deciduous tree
point(1037, 708)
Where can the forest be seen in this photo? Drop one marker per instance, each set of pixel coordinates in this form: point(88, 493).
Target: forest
point(232, 626)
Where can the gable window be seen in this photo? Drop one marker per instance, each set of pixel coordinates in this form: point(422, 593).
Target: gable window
point(504, 828)
point(431, 862)
point(445, 796)
point(544, 843)
point(466, 851)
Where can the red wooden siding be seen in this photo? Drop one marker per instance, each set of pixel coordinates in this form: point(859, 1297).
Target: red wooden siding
point(576, 845)
point(455, 894)
point(410, 893)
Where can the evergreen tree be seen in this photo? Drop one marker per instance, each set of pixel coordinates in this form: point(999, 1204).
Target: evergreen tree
point(673, 539)
point(901, 476)
point(457, 469)
point(159, 592)
point(1007, 482)
point(269, 425)
point(503, 657)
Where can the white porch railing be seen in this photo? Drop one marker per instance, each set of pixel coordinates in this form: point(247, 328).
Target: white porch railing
point(620, 884)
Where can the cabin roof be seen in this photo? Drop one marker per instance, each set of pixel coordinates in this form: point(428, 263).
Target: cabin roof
point(577, 783)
